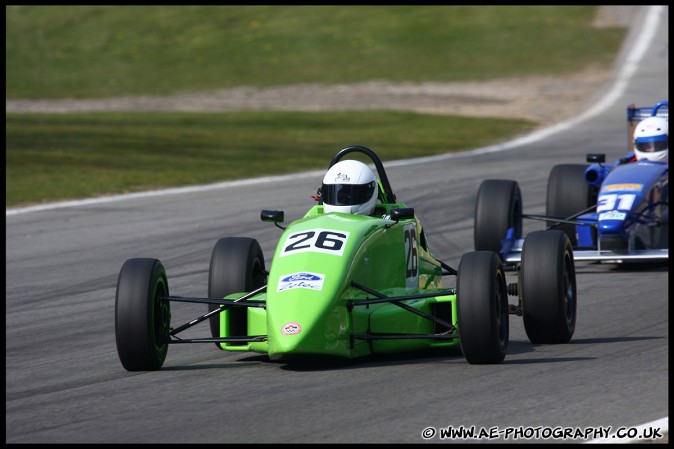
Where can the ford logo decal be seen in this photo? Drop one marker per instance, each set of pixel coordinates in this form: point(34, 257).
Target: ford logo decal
point(301, 277)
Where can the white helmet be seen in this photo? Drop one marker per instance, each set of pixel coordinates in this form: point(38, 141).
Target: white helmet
point(350, 187)
point(651, 139)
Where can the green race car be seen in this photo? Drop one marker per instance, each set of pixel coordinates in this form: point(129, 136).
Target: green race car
point(343, 286)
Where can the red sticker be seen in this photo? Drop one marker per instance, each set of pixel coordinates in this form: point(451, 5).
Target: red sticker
point(291, 329)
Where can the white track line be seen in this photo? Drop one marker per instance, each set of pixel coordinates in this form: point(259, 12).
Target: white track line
point(626, 72)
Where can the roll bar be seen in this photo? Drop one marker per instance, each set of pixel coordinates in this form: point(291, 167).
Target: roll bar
point(390, 196)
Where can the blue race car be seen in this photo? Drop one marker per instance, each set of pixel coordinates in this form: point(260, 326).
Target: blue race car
point(611, 212)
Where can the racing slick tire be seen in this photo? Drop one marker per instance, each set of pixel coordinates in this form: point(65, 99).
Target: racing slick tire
point(548, 287)
point(567, 194)
point(482, 306)
point(142, 319)
point(237, 265)
point(498, 208)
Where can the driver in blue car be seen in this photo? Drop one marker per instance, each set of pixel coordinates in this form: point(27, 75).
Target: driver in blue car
point(651, 141)
point(350, 187)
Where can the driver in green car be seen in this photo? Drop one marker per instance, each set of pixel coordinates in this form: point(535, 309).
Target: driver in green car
point(350, 187)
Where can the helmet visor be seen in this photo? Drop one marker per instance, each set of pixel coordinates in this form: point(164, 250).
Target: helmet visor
point(651, 144)
point(347, 194)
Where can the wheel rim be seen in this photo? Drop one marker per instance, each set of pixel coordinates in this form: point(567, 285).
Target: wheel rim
point(257, 275)
point(162, 317)
point(568, 289)
point(501, 311)
point(517, 217)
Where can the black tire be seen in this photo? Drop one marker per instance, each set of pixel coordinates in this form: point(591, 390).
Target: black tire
point(482, 306)
point(548, 287)
point(237, 265)
point(663, 240)
point(662, 232)
point(568, 193)
point(142, 321)
point(498, 208)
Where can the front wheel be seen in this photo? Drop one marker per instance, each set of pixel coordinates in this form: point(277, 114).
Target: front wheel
point(142, 318)
point(498, 208)
point(568, 194)
point(482, 304)
point(237, 265)
point(548, 287)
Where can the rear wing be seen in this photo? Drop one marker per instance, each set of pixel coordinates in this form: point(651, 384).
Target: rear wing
point(635, 115)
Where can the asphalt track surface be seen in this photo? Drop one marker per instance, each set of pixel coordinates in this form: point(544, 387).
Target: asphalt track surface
point(65, 384)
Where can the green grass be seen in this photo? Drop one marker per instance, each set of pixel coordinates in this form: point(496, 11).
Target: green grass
point(101, 51)
point(54, 157)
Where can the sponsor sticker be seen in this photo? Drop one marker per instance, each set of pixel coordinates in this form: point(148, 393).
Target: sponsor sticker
point(291, 328)
point(613, 215)
point(632, 187)
point(302, 279)
point(342, 177)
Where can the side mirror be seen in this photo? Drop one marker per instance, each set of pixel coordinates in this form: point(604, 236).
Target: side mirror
point(402, 213)
point(598, 158)
point(273, 216)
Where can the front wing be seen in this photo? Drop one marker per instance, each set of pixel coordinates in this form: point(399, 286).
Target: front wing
point(513, 254)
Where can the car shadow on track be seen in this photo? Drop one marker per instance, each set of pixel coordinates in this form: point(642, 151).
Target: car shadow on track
point(640, 267)
point(592, 341)
point(516, 348)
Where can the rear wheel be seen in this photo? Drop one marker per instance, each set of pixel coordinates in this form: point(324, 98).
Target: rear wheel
point(237, 265)
point(662, 240)
point(498, 208)
point(482, 305)
point(548, 287)
point(568, 193)
point(142, 319)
